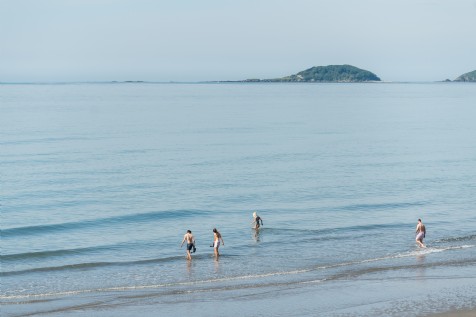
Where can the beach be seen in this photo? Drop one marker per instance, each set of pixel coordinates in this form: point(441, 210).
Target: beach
point(102, 181)
point(397, 292)
point(457, 313)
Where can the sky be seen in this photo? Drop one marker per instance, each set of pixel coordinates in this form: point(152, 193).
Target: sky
point(207, 40)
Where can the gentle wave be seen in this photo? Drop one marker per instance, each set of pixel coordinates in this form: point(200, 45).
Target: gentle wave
point(362, 207)
point(358, 228)
point(155, 286)
point(422, 251)
point(66, 252)
point(321, 233)
point(46, 140)
point(335, 276)
point(367, 270)
point(457, 239)
point(99, 222)
point(44, 254)
point(91, 265)
point(418, 252)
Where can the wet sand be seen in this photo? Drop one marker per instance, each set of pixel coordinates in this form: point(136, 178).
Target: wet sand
point(431, 290)
point(371, 295)
point(456, 313)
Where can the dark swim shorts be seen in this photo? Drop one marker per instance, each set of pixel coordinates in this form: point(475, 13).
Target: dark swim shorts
point(189, 246)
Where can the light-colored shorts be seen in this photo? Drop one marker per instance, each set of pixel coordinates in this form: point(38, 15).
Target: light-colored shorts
point(216, 244)
point(420, 236)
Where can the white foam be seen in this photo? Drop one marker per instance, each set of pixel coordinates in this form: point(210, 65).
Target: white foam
point(422, 251)
point(155, 286)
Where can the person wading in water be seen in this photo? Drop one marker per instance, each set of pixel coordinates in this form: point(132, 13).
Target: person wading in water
point(420, 233)
point(188, 237)
point(216, 241)
point(256, 221)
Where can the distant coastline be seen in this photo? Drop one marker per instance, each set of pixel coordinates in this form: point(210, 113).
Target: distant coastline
point(316, 74)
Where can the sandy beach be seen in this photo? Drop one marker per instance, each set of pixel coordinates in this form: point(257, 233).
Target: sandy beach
point(456, 313)
point(397, 294)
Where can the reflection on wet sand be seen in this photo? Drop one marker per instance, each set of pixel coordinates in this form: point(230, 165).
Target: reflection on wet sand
point(421, 270)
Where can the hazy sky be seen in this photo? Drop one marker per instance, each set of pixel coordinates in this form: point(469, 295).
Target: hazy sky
point(195, 40)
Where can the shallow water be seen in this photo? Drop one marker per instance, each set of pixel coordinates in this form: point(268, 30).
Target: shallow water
point(101, 181)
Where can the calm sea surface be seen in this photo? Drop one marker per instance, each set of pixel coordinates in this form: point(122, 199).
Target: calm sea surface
point(99, 183)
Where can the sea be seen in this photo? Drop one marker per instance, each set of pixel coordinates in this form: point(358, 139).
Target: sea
point(100, 182)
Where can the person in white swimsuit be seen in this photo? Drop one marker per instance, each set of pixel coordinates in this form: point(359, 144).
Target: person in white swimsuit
point(216, 241)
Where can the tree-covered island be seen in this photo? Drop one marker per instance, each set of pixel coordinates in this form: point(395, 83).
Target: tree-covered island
point(471, 77)
point(327, 74)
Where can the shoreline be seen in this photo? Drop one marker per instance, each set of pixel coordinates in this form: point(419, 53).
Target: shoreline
point(425, 292)
point(455, 313)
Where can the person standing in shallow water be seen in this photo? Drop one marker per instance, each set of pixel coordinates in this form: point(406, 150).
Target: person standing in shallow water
point(420, 233)
point(256, 221)
point(216, 241)
point(188, 237)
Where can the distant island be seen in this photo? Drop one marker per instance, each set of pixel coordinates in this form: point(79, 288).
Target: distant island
point(326, 74)
point(471, 77)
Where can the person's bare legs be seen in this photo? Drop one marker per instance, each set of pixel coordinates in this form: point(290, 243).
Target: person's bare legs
point(217, 254)
point(189, 256)
point(420, 243)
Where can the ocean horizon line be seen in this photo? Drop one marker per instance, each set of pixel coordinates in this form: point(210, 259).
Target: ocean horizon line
point(216, 82)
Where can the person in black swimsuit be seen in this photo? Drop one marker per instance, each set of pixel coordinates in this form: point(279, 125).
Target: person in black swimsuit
point(256, 221)
point(188, 237)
